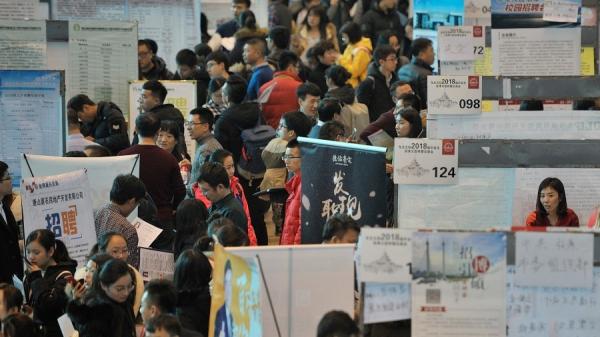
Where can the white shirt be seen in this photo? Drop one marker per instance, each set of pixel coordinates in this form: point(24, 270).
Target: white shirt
point(2, 213)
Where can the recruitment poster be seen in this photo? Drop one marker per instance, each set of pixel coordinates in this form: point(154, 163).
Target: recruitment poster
point(529, 14)
point(61, 204)
point(31, 115)
point(341, 178)
point(182, 94)
point(384, 255)
point(459, 284)
point(102, 59)
point(235, 305)
point(22, 44)
point(18, 9)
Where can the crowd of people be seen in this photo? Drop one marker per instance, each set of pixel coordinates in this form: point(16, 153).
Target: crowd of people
point(339, 70)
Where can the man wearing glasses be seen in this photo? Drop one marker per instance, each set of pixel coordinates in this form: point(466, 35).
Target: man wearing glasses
point(291, 234)
point(374, 91)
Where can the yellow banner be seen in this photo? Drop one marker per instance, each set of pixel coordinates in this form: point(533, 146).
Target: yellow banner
point(587, 61)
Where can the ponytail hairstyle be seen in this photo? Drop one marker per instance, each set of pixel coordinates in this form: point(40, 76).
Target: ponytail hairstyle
point(47, 240)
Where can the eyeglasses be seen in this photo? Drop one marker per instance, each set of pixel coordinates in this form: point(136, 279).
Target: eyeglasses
point(289, 157)
point(393, 59)
point(188, 123)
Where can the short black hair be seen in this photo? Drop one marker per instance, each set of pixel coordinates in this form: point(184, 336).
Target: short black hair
point(219, 156)
point(219, 57)
point(171, 127)
point(144, 42)
point(338, 75)
point(166, 322)
point(298, 122)
point(202, 50)
point(214, 174)
point(162, 293)
point(248, 3)
point(411, 100)
point(286, 59)
point(98, 151)
point(338, 225)
point(336, 323)
point(12, 296)
point(77, 102)
point(293, 144)
point(236, 89)
point(319, 49)
point(382, 52)
point(186, 57)
point(280, 35)
point(206, 116)
point(74, 154)
point(231, 235)
point(259, 44)
point(331, 130)
point(72, 118)
point(419, 45)
point(153, 46)
point(352, 29)
point(396, 85)
point(147, 124)
point(328, 107)
point(125, 187)
point(158, 90)
point(308, 88)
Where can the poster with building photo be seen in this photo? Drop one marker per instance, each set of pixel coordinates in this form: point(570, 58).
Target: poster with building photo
point(459, 277)
point(384, 255)
point(342, 178)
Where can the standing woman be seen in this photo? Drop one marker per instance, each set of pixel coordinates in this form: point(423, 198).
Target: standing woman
point(315, 28)
point(11, 262)
point(551, 206)
point(48, 268)
point(107, 310)
point(357, 55)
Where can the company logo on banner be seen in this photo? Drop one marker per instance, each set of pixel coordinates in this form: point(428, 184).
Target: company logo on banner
point(61, 204)
point(334, 181)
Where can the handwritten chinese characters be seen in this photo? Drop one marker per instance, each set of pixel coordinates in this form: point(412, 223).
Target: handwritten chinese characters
point(346, 203)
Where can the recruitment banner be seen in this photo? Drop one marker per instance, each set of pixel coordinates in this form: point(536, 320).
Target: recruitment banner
point(61, 204)
point(235, 305)
point(182, 94)
point(22, 44)
point(31, 116)
point(532, 14)
point(341, 178)
point(459, 284)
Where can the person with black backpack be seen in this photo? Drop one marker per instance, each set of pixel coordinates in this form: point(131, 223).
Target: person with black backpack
point(241, 130)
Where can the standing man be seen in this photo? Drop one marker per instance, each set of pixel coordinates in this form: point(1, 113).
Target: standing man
point(199, 126)
point(228, 29)
point(103, 123)
point(217, 64)
point(374, 91)
point(255, 53)
point(419, 68)
point(150, 66)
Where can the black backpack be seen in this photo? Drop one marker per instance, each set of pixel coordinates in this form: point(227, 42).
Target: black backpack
point(254, 141)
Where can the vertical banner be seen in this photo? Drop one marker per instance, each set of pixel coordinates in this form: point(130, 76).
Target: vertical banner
point(102, 59)
point(182, 94)
point(31, 115)
point(459, 284)
point(61, 204)
point(341, 178)
point(22, 44)
point(235, 306)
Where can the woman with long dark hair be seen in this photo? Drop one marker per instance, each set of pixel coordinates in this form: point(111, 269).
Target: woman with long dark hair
point(49, 268)
point(315, 28)
point(190, 224)
point(11, 262)
point(551, 206)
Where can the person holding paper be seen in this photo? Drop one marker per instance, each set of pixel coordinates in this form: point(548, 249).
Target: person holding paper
point(11, 262)
point(551, 206)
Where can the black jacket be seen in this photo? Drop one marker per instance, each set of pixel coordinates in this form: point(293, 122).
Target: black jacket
point(10, 254)
point(102, 317)
point(231, 208)
point(158, 72)
point(374, 92)
point(193, 310)
point(416, 74)
point(375, 21)
point(317, 76)
point(168, 112)
point(228, 128)
point(46, 295)
point(109, 128)
point(202, 78)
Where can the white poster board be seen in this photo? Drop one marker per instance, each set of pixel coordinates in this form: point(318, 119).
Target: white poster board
point(156, 264)
point(31, 110)
point(182, 94)
point(101, 171)
point(386, 302)
point(305, 282)
point(454, 95)
point(384, 255)
point(425, 161)
point(536, 52)
point(22, 44)
point(18, 9)
point(102, 59)
point(562, 260)
point(62, 204)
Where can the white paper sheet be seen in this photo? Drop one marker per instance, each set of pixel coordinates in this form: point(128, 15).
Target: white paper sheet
point(561, 10)
point(385, 255)
point(146, 232)
point(18, 9)
point(66, 326)
point(22, 44)
point(554, 259)
point(386, 302)
point(156, 264)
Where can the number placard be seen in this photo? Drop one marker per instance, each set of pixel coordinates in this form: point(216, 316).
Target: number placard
point(425, 161)
point(454, 95)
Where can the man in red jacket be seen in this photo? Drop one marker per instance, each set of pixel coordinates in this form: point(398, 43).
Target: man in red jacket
point(278, 96)
point(291, 234)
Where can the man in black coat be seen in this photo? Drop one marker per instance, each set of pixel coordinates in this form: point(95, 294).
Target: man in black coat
point(187, 69)
point(103, 123)
point(419, 68)
point(11, 262)
point(380, 17)
point(374, 91)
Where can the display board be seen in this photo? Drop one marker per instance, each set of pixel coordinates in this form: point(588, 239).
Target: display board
point(22, 44)
point(31, 115)
point(102, 59)
point(304, 283)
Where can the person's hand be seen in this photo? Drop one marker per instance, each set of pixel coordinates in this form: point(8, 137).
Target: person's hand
point(78, 291)
point(32, 268)
point(389, 168)
point(90, 138)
